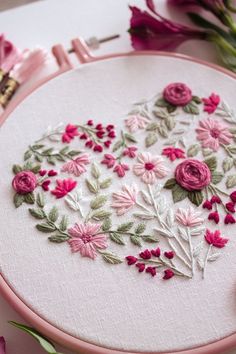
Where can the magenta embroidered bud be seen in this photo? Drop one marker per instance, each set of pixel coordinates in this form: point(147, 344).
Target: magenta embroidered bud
point(151, 270)
point(131, 260)
point(145, 254)
point(207, 205)
point(230, 206)
point(168, 274)
point(156, 252)
point(215, 199)
point(229, 219)
point(233, 196)
point(214, 216)
point(140, 266)
point(169, 254)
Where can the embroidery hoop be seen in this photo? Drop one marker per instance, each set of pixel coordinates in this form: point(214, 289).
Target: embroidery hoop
point(59, 336)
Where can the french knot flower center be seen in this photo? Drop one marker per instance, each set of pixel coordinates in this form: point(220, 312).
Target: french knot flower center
point(86, 238)
point(215, 133)
point(149, 166)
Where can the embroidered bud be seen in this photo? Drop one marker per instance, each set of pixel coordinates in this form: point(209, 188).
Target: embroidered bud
point(169, 254)
point(45, 185)
point(168, 273)
point(99, 126)
point(100, 134)
point(140, 266)
point(215, 199)
point(156, 252)
point(110, 127)
point(130, 151)
point(42, 173)
point(230, 206)
point(120, 169)
point(52, 173)
point(83, 136)
point(145, 254)
point(89, 144)
point(214, 216)
point(233, 196)
point(109, 160)
point(112, 134)
point(131, 260)
point(98, 148)
point(107, 143)
point(151, 270)
point(90, 122)
point(207, 205)
point(229, 219)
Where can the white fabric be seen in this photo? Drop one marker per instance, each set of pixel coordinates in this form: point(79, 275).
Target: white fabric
point(111, 306)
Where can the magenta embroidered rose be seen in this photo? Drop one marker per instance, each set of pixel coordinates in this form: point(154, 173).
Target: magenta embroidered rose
point(177, 94)
point(193, 175)
point(24, 182)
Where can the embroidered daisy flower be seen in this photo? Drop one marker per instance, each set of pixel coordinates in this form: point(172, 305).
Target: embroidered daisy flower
point(212, 133)
point(86, 239)
point(76, 167)
point(135, 122)
point(125, 199)
point(150, 167)
point(189, 217)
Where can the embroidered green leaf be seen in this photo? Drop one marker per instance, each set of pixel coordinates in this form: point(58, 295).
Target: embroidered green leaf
point(37, 213)
point(37, 146)
point(163, 232)
point(196, 197)
point(191, 108)
point(53, 214)
point(16, 169)
point(144, 216)
point(178, 193)
point(150, 238)
point(211, 162)
point(18, 200)
point(98, 202)
point(117, 238)
point(140, 228)
point(106, 224)
point(58, 238)
point(227, 163)
point(73, 153)
point(130, 138)
point(43, 341)
point(40, 200)
point(216, 177)
point(95, 171)
point(206, 152)
point(38, 157)
point(51, 160)
point(170, 183)
point(64, 223)
point(213, 257)
point(231, 181)
point(193, 150)
point(163, 131)
point(36, 168)
point(64, 150)
point(117, 145)
point(232, 148)
point(47, 151)
point(152, 126)
point(111, 258)
point(92, 186)
point(170, 122)
point(28, 154)
point(125, 227)
point(160, 113)
point(196, 99)
point(100, 215)
point(135, 239)
point(45, 227)
point(162, 103)
point(28, 165)
point(151, 139)
point(106, 183)
point(29, 198)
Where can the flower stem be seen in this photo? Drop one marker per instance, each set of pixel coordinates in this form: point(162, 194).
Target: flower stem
point(190, 249)
point(161, 262)
point(205, 262)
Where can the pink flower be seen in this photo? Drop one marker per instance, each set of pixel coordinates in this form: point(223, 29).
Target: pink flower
point(193, 175)
point(211, 103)
point(173, 153)
point(124, 200)
point(24, 182)
point(168, 274)
point(214, 216)
point(146, 254)
point(109, 160)
point(229, 219)
point(177, 94)
point(120, 169)
point(158, 33)
point(230, 206)
point(156, 252)
point(151, 270)
point(63, 187)
point(149, 167)
point(131, 260)
point(214, 239)
point(70, 132)
point(215, 199)
point(233, 196)
point(189, 217)
point(130, 151)
point(207, 205)
point(140, 266)
point(77, 166)
point(135, 122)
point(169, 255)
point(211, 133)
point(2, 345)
point(86, 239)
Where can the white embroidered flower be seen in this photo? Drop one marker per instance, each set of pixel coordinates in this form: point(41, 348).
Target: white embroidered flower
point(149, 167)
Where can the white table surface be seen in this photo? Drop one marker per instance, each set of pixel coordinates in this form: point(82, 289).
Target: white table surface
point(58, 21)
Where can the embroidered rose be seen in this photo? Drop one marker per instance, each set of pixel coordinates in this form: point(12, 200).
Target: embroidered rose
point(214, 239)
point(177, 94)
point(211, 133)
point(76, 166)
point(125, 199)
point(150, 167)
point(189, 217)
point(24, 182)
point(135, 122)
point(86, 239)
point(193, 175)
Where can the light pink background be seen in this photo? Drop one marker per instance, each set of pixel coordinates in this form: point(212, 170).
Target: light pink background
point(47, 30)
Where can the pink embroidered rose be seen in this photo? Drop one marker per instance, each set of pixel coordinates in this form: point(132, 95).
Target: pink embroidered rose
point(193, 175)
point(177, 94)
point(24, 182)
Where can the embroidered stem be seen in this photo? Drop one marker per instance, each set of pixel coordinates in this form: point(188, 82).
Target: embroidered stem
point(227, 150)
point(205, 262)
point(216, 190)
point(160, 262)
point(190, 249)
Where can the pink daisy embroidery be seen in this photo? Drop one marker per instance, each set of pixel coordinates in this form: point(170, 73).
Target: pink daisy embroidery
point(211, 133)
point(77, 166)
point(135, 122)
point(125, 199)
point(189, 217)
point(150, 167)
point(64, 186)
point(86, 239)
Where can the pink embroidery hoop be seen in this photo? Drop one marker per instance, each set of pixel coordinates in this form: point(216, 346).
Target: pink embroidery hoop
point(55, 334)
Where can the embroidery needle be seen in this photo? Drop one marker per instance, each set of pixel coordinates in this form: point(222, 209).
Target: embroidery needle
point(94, 42)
